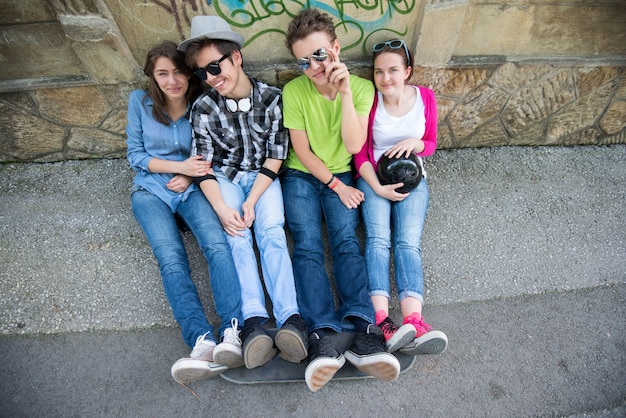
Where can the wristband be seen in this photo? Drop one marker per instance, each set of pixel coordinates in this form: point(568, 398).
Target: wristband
point(198, 180)
point(330, 181)
point(269, 173)
point(334, 184)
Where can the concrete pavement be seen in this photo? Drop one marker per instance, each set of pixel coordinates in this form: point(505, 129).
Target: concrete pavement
point(525, 265)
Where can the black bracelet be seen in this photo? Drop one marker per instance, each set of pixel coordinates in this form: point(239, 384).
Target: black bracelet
point(198, 180)
point(330, 181)
point(269, 173)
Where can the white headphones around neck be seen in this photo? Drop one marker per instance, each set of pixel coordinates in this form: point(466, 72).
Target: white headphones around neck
point(242, 105)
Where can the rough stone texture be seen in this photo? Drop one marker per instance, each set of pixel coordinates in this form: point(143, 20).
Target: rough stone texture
point(580, 114)
point(511, 104)
point(432, 32)
point(82, 106)
point(116, 122)
point(549, 30)
point(95, 143)
point(533, 135)
point(511, 77)
point(26, 137)
point(105, 61)
point(476, 109)
point(504, 73)
point(588, 79)
point(453, 82)
point(35, 50)
point(614, 118)
point(619, 138)
point(25, 11)
point(488, 134)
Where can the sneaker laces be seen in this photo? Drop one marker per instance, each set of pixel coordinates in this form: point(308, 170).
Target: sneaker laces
point(388, 328)
point(231, 335)
point(321, 347)
point(203, 347)
point(369, 342)
point(421, 327)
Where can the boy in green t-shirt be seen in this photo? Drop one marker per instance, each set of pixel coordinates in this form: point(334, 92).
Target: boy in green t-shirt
point(326, 112)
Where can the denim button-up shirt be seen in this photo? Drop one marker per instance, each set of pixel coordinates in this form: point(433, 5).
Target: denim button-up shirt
point(147, 139)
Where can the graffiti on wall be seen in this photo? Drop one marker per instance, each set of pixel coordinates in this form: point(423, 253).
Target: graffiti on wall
point(357, 20)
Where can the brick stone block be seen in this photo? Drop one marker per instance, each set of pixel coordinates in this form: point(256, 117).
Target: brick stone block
point(81, 106)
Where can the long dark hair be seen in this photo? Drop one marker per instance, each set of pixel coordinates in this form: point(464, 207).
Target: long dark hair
point(167, 49)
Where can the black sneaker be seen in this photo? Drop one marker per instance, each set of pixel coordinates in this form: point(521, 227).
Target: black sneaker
point(324, 361)
point(291, 339)
point(258, 346)
point(368, 355)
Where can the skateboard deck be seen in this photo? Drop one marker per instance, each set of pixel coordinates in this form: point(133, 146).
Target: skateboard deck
point(278, 370)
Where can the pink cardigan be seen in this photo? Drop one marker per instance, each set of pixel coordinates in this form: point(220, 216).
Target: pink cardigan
point(429, 138)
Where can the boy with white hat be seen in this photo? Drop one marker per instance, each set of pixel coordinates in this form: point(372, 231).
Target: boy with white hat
point(238, 127)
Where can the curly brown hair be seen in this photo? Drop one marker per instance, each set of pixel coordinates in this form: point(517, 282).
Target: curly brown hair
point(306, 22)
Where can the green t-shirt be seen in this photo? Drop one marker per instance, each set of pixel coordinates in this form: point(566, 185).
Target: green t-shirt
point(304, 108)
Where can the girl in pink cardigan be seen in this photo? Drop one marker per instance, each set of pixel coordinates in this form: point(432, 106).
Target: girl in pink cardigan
point(403, 120)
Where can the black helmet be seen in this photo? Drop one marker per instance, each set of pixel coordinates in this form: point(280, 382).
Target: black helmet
point(402, 169)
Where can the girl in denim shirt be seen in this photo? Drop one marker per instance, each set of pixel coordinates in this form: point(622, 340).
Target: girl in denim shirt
point(159, 145)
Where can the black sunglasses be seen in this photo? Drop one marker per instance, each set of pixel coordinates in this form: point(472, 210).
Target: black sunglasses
point(320, 56)
point(213, 68)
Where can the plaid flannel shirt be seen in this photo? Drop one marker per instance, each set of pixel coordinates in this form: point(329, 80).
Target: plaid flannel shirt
point(238, 142)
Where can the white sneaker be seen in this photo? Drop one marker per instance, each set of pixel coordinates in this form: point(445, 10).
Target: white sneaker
point(203, 350)
point(228, 353)
point(187, 370)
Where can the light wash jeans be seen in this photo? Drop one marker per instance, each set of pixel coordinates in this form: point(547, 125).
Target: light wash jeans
point(269, 232)
point(159, 225)
point(307, 203)
point(406, 220)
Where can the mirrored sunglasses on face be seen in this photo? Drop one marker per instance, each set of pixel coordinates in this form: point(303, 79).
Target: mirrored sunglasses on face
point(395, 44)
point(212, 68)
point(320, 56)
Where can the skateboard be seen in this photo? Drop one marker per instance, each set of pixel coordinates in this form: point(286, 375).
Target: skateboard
point(278, 370)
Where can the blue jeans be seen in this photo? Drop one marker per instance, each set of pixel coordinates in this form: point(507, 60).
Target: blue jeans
point(406, 220)
point(307, 201)
point(159, 225)
point(269, 232)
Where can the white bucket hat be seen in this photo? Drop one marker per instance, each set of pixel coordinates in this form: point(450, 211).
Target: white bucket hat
point(212, 27)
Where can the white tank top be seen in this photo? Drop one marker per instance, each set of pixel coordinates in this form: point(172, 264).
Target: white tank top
point(389, 130)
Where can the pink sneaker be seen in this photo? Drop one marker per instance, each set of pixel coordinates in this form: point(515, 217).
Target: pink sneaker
point(396, 337)
point(427, 341)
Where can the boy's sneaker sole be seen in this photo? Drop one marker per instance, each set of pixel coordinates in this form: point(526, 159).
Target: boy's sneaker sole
point(292, 347)
point(321, 370)
point(403, 336)
point(228, 355)
point(433, 342)
point(383, 366)
point(187, 370)
point(258, 351)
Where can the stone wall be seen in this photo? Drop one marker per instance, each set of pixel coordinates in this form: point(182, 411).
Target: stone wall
point(505, 72)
